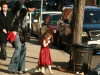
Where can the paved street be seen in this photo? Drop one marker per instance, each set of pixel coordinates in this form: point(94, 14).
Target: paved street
point(59, 57)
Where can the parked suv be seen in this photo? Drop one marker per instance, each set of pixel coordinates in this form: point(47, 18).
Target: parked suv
point(91, 27)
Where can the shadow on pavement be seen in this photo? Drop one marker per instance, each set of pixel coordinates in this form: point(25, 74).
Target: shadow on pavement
point(38, 73)
point(4, 65)
point(33, 71)
point(31, 57)
point(8, 57)
point(30, 61)
point(5, 71)
point(62, 66)
point(9, 53)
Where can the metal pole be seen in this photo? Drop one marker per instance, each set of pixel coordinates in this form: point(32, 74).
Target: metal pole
point(41, 19)
point(41, 12)
point(95, 2)
point(30, 24)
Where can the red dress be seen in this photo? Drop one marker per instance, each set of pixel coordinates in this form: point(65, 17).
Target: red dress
point(45, 57)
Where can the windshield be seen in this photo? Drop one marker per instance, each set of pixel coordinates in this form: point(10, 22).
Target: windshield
point(92, 18)
point(54, 19)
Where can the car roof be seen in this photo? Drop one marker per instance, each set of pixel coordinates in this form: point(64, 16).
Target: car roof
point(55, 14)
point(92, 8)
point(87, 8)
point(52, 12)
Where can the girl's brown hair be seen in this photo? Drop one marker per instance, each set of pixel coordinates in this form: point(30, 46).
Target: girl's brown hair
point(46, 35)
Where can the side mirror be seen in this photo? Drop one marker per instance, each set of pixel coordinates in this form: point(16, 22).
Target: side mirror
point(35, 20)
point(66, 21)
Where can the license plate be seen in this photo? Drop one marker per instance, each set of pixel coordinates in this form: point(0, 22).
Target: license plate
point(98, 41)
point(94, 42)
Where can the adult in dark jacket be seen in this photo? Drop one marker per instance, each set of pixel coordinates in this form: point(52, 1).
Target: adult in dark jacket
point(17, 7)
point(5, 25)
point(17, 62)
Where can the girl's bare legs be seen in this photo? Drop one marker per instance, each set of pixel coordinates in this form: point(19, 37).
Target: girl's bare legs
point(42, 70)
point(49, 68)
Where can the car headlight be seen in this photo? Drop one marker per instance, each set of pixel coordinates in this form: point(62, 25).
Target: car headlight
point(46, 3)
point(55, 4)
point(84, 34)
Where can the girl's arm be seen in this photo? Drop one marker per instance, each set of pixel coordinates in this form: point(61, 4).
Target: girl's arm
point(45, 43)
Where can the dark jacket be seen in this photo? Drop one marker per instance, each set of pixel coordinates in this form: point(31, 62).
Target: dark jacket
point(5, 23)
point(19, 20)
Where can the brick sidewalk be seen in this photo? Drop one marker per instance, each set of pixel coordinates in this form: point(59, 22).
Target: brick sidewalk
point(59, 58)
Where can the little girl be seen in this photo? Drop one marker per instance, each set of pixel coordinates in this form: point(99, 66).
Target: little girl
point(45, 57)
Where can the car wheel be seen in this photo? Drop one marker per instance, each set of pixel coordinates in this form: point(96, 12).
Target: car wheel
point(58, 43)
point(36, 36)
point(32, 32)
point(67, 49)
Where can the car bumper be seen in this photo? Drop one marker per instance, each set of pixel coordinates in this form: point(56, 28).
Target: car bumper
point(88, 41)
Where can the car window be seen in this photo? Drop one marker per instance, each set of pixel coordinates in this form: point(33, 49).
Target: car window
point(92, 18)
point(44, 16)
point(54, 19)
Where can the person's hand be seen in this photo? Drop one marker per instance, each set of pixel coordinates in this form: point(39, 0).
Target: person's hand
point(4, 30)
point(8, 31)
point(15, 33)
point(48, 41)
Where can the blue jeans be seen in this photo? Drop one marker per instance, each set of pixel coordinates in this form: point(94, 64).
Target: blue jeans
point(17, 62)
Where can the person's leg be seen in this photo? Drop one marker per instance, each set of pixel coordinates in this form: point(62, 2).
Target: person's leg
point(13, 66)
point(49, 68)
point(42, 70)
point(3, 51)
point(21, 66)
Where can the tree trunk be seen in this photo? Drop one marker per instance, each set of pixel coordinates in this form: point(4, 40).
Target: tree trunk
point(95, 2)
point(78, 16)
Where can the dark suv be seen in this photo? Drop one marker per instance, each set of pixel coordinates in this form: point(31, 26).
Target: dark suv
point(91, 26)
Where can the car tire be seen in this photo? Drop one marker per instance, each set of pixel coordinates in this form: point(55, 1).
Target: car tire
point(58, 41)
point(67, 49)
point(32, 32)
